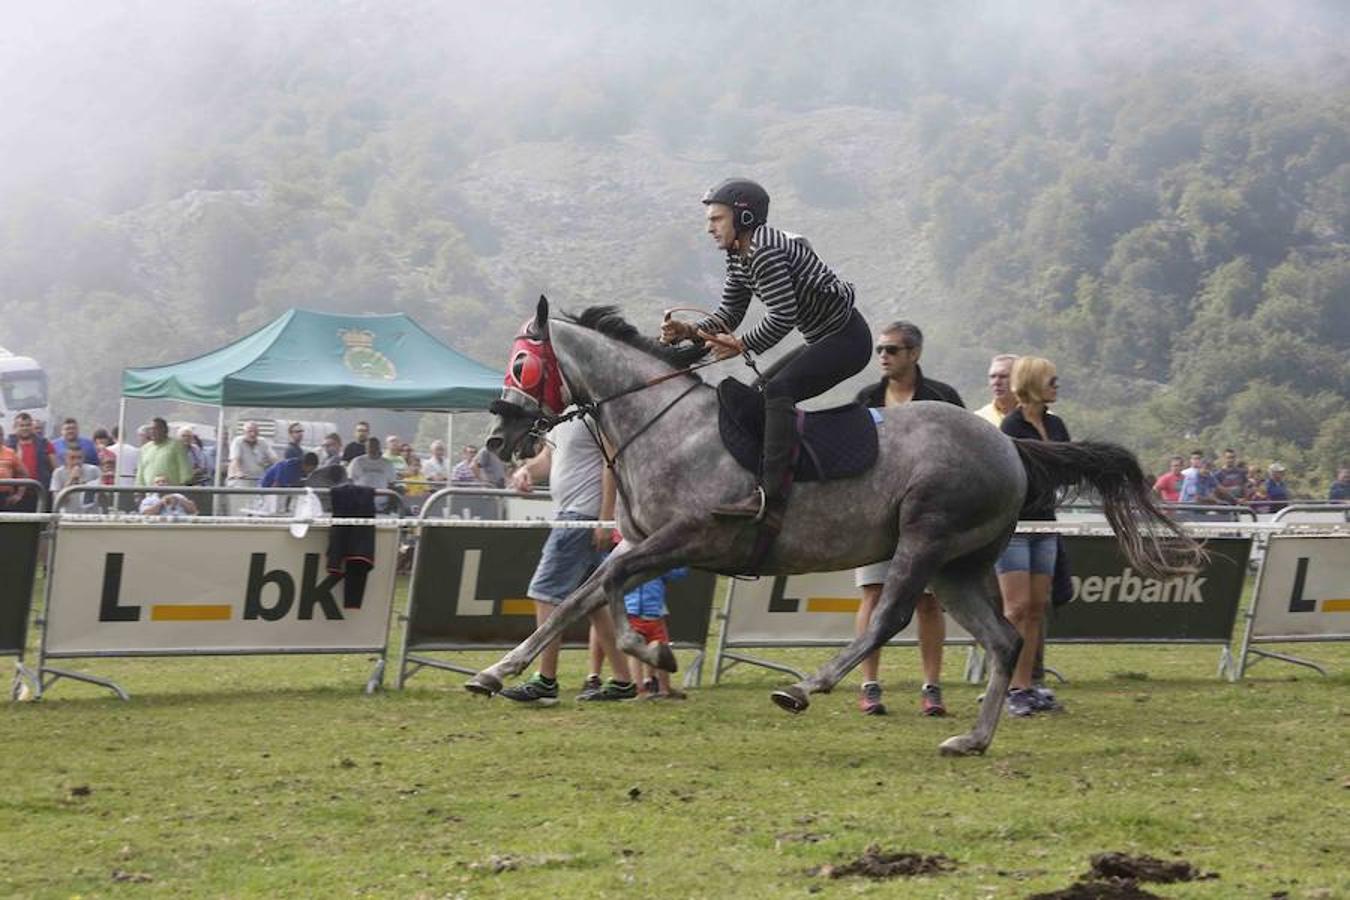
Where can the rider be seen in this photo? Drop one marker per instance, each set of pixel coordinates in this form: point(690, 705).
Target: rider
point(798, 291)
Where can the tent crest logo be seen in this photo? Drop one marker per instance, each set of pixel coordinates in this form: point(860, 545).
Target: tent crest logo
point(362, 359)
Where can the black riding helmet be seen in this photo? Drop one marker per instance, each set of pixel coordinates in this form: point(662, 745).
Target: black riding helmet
point(748, 200)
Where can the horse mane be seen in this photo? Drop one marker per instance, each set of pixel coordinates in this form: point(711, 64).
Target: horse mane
point(610, 322)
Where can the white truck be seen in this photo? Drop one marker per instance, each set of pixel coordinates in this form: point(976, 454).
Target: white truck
point(23, 388)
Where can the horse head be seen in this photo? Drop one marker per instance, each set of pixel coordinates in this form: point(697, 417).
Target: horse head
point(532, 391)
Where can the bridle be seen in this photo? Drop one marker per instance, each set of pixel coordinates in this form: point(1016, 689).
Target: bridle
point(523, 383)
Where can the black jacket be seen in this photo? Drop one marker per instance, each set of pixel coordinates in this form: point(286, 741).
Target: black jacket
point(1014, 425)
point(924, 389)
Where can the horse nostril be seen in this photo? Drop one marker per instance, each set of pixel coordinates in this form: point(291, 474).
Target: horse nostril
point(494, 443)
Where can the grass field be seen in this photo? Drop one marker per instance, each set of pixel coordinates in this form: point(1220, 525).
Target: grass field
point(275, 777)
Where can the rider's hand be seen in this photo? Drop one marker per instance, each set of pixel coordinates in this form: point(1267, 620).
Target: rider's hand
point(521, 481)
point(673, 331)
point(724, 346)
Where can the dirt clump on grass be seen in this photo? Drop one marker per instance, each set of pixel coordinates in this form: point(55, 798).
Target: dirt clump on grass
point(1116, 876)
point(877, 863)
point(1146, 868)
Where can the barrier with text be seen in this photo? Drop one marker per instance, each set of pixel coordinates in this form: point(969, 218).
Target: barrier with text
point(468, 592)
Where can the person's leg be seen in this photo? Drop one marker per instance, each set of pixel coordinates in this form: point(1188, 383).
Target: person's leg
point(548, 660)
point(602, 628)
point(596, 657)
point(932, 636)
point(871, 664)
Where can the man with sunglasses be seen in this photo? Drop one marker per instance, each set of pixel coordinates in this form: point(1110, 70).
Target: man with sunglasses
point(898, 348)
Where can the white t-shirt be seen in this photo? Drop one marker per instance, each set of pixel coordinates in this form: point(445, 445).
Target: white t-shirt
point(78, 501)
point(250, 461)
point(128, 458)
point(575, 473)
point(377, 472)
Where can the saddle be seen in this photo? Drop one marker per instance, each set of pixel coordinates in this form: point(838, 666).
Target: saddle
point(833, 443)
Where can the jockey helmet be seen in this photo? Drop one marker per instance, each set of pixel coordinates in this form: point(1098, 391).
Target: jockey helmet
point(748, 201)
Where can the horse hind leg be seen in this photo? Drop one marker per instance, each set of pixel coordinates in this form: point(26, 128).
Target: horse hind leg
point(972, 598)
point(905, 581)
point(631, 565)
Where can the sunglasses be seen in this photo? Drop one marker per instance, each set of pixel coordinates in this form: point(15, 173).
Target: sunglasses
point(891, 349)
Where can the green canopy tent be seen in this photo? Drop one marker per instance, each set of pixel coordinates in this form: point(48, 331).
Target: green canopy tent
point(307, 359)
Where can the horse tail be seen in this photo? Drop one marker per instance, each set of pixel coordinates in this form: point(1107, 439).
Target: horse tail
point(1160, 548)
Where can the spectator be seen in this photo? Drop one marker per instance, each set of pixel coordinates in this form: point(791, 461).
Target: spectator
point(170, 506)
point(899, 346)
point(290, 472)
point(249, 459)
point(1276, 491)
point(1003, 402)
point(582, 490)
point(1168, 485)
point(466, 470)
point(326, 476)
point(108, 470)
point(70, 436)
point(1027, 565)
point(76, 471)
point(1200, 486)
point(162, 456)
point(11, 466)
point(331, 452)
point(393, 451)
point(358, 445)
point(128, 455)
point(646, 606)
point(374, 470)
point(1340, 488)
point(437, 467)
point(102, 441)
point(415, 484)
point(294, 450)
point(37, 456)
point(1232, 477)
point(1196, 457)
point(196, 454)
point(489, 470)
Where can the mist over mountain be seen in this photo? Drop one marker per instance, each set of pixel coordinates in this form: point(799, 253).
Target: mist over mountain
point(1154, 195)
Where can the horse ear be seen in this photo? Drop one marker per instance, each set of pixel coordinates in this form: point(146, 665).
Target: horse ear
point(541, 315)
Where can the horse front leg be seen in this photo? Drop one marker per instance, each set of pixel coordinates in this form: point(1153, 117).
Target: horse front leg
point(579, 604)
point(662, 551)
point(905, 581)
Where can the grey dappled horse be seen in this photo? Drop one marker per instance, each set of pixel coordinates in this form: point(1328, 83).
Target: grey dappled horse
point(940, 502)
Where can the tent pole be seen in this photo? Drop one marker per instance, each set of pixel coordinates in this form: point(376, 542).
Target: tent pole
point(222, 446)
point(449, 435)
point(121, 440)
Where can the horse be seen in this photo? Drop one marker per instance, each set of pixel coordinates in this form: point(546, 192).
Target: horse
point(941, 500)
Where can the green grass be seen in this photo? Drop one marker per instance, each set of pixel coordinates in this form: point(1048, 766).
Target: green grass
point(275, 777)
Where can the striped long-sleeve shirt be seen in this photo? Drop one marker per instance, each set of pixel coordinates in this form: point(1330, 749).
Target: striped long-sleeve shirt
point(798, 290)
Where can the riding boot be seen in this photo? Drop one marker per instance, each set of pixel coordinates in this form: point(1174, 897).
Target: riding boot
point(780, 444)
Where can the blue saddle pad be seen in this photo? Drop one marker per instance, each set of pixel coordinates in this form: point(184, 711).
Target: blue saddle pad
point(835, 443)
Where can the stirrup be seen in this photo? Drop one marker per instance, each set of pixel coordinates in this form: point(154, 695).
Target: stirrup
point(727, 511)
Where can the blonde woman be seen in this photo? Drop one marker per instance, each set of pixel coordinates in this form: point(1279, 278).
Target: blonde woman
point(1027, 566)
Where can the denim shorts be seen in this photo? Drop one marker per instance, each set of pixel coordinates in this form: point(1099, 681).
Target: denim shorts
point(1033, 553)
point(569, 556)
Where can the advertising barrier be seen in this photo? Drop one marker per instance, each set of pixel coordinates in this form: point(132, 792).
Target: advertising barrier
point(160, 588)
point(1302, 595)
point(1111, 604)
point(20, 539)
point(468, 592)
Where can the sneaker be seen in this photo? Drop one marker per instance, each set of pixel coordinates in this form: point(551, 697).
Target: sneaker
point(1045, 699)
point(1021, 702)
point(869, 701)
point(931, 700)
point(592, 683)
point(535, 691)
point(612, 690)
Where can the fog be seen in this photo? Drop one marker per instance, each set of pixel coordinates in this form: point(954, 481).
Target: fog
point(176, 174)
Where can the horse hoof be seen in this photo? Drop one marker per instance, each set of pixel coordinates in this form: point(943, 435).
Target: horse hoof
point(483, 684)
point(792, 698)
point(961, 745)
point(665, 657)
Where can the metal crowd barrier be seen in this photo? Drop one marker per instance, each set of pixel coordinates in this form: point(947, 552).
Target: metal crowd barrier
point(38, 487)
